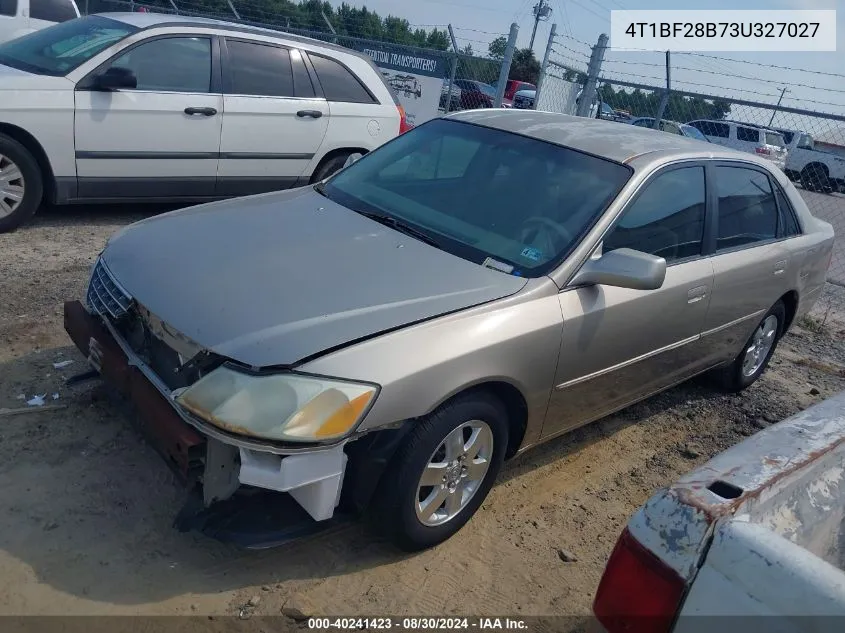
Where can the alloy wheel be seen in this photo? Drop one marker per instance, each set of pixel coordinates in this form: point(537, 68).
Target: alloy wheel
point(454, 473)
point(761, 344)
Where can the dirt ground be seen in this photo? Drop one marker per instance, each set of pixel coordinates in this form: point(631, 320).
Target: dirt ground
point(88, 506)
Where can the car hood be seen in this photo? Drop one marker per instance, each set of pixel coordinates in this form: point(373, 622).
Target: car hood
point(275, 278)
point(14, 79)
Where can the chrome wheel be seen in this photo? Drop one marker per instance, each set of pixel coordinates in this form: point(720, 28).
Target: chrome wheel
point(760, 345)
point(11, 186)
point(454, 473)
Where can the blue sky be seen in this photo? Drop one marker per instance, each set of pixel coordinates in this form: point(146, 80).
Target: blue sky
point(580, 22)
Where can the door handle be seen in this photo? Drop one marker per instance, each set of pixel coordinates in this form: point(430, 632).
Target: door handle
point(696, 294)
point(780, 267)
point(203, 111)
point(314, 114)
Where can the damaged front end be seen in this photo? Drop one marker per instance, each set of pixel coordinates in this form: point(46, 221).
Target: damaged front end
point(254, 480)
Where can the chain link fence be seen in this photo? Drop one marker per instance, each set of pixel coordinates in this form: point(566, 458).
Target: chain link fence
point(808, 145)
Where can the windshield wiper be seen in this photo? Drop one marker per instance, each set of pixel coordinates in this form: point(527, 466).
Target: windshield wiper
point(400, 226)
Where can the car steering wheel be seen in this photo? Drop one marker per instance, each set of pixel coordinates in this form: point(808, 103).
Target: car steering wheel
point(540, 226)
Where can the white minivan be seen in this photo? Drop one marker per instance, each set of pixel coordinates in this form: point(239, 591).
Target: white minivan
point(19, 17)
point(746, 137)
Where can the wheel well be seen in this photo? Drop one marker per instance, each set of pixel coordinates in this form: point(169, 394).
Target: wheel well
point(515, 406)
point(30, 143)
point(820, 166)
point(790, 302)
point(333, 154)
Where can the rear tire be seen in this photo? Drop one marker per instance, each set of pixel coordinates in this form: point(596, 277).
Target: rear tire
point(815, 178)
point(21, 184)
point(416, 514)
point(330, 166)
point(755, 355)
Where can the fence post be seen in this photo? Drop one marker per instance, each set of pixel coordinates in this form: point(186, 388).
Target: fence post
point(545, 65)
point(593, 70)
point(454, 70)
point(506, 66)
point(665, 98)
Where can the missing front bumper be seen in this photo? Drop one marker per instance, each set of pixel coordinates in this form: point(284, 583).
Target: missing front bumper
point(312, 482)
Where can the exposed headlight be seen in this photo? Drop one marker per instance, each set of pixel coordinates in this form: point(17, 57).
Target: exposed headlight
point(285, 406)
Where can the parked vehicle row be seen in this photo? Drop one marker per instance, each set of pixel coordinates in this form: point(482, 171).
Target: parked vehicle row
point(139, 107)
point(465, 245)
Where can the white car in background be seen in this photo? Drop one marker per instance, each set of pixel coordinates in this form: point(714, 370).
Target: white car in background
point(19, 17)
point(141, 107)
point(815, 169)
point(746, 137)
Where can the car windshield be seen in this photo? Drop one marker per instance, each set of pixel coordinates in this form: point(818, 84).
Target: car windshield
point(59, 49)
point(482, 193)
point(490, 91)
point(806, 142)
point(775, 138)
point(692, 132)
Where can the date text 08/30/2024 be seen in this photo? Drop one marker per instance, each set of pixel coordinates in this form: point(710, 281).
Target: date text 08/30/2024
point(417, 624)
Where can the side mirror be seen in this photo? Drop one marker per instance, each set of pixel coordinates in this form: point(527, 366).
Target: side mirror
point(623, 268)
point(116, 78)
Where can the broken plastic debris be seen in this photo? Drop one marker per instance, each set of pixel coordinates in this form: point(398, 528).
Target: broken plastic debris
point(55, 396)
point(36, 401)
point(62, 364)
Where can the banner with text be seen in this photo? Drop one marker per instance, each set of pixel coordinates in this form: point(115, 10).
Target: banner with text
point(415, 76)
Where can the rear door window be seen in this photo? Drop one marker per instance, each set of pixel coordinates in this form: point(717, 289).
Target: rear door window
point(259, 70)
point(747, 209)
point(52, 10)
point(713, 128)
point(338, 82)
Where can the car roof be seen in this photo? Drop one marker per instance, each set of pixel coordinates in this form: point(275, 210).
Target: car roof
point(144, 20)
point(618, 142)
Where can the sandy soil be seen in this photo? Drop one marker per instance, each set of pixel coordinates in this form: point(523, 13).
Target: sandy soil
point(88, 506)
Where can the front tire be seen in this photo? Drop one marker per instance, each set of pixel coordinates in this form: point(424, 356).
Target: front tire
point(752, 361)
point(21, 184)
point(443, 472)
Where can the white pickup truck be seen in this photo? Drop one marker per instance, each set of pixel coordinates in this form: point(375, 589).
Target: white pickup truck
point(756, 534)
point(814, 169)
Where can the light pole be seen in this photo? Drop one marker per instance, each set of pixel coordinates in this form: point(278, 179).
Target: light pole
point(542, 11)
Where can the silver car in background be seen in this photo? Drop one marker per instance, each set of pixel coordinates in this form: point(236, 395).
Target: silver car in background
point(382, 341)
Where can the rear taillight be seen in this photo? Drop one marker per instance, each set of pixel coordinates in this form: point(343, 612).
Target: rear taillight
point(763, 150)
point(638, 592)
point(403, 120)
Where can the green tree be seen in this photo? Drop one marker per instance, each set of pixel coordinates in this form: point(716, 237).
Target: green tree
point(525, 66)
point(497, 47)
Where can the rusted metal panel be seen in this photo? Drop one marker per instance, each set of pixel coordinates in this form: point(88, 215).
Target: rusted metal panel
point(177, 442)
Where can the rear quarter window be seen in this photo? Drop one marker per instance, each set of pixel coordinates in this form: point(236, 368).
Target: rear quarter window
point(338, 82)
point(773, 138)
point(52, 10)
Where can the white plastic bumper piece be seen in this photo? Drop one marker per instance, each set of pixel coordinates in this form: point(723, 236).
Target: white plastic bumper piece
point(313, 479)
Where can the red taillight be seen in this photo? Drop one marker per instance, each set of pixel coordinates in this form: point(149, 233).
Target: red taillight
point(763, 150)
point(403, 120)
point(638, 592)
